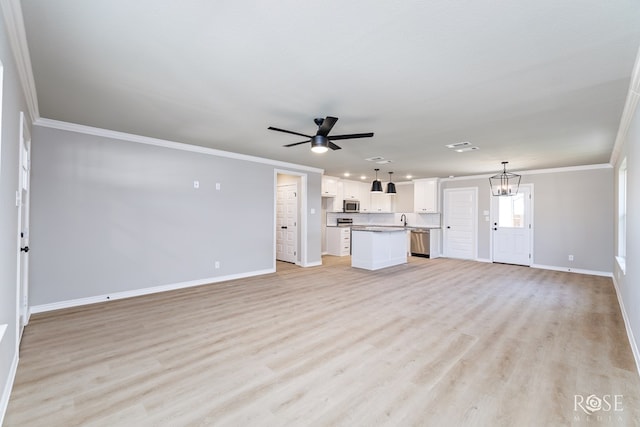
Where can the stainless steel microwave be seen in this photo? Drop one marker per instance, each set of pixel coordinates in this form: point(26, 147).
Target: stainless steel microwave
point(351, 206)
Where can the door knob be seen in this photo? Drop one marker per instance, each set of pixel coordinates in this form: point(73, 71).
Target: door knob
point(495, 229)
point(448, 226)
point(25, 249)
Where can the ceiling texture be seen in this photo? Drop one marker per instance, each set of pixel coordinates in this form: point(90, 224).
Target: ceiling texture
point(540, 84)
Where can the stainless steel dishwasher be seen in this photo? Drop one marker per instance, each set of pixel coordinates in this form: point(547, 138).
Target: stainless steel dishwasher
point(420, 242)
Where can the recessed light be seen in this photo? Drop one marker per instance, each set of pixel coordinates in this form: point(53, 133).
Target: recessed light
point(458, 144)
point(363, 177)
point(462, 150)
point(347, 174)
point(409, 176)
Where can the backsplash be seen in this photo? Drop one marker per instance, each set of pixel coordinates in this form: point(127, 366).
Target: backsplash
point(413, 219)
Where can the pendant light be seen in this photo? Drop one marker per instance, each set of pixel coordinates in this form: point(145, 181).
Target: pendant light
point(505, 183)
point(391, 187)
point(376, 185)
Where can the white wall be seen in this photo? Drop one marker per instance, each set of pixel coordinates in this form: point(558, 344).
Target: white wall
point(112, 217)
point(13, 102)
point(573, 213)
point(628, 283)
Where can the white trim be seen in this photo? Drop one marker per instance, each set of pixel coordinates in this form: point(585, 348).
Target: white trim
point(534, 172)
point(8, 386)
point(573, 270)
point(484, 260)
point(144, 291)
point(18, 40)
point(313, 264)
point(106, 133)
point(627, 325)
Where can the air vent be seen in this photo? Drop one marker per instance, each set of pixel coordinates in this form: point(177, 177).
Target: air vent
point(383, 162)
point(375, 159)
point(458, 145)
point(462, 150)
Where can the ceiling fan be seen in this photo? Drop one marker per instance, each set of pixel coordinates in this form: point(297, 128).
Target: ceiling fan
point(321, 141)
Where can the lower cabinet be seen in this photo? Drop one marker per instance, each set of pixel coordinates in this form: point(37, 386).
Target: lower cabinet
point(339, 241)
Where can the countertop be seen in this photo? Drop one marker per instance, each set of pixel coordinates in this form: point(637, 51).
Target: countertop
point(377, 229)
point(398, 227)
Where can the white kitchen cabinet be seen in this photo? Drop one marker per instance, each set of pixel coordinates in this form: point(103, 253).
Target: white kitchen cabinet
point(425, 195)
point(351, 190)
point(329, 186)
point(434, 243)
point(365, 197)
point(339, 241)
point(380, 202)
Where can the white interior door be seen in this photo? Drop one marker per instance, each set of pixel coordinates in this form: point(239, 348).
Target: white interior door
point(511, 226)
point(460, 223)
point(22, 200)
point(287, 223)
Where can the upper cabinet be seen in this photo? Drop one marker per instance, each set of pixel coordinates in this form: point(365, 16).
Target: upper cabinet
point(329, 186)
point(351, 190)
point(425, 195)
point(380, 202)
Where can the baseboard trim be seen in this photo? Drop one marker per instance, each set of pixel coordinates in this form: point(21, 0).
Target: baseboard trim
point(313, 264)
point(6, 393)
point(145, 291)
point(627, 325)
point(573, 270)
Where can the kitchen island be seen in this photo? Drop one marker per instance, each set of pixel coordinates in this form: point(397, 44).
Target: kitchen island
point(373, 248)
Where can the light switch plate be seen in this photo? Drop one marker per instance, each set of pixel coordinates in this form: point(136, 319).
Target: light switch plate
point(217, 186)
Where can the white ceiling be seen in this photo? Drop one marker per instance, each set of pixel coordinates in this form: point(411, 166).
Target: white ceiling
point(538, 83)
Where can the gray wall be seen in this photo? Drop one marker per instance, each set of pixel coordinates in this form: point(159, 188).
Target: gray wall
point(113, 216)
point(12, 103)
point(573, 214)
point(628, 284)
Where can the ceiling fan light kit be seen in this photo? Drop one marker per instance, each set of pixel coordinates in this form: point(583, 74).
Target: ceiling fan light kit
point(376, 185)
point(321, 141)
point(319, 144)
point(505, 183)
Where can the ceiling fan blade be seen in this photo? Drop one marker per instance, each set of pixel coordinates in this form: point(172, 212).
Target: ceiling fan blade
point(327, 125)
point(296, 143)
point(334, 146)
point(289, 131)
point(352, 136)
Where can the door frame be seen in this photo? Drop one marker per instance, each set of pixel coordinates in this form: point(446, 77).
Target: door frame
point(445, 234)
point(23, 205)
point(302, 217)
point(492, 214)
point(290, 185)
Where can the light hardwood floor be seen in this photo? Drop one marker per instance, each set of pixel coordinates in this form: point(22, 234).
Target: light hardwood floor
point(434, 342)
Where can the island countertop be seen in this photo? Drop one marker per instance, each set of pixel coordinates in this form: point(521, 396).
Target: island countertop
point(377, 229)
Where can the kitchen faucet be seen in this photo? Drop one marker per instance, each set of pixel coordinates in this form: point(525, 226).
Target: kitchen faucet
point(403, 218)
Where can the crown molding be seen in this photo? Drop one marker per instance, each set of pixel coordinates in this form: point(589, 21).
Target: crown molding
point(14, 21)
point(630, 105)
point(535, 171)
point(122, 136)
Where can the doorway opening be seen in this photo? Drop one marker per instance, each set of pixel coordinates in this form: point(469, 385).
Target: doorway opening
point(289, 224)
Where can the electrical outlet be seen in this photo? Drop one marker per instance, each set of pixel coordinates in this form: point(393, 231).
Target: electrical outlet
point(196, 184)
point(570, 257)
point(217, 264)
point(217, 186)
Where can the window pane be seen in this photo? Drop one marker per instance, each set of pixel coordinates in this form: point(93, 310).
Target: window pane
point(511, 211)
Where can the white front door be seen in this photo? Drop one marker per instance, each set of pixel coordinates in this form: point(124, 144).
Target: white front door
point(511, 226)
point(287, 223)
point(460, 223)
point(22, 200)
